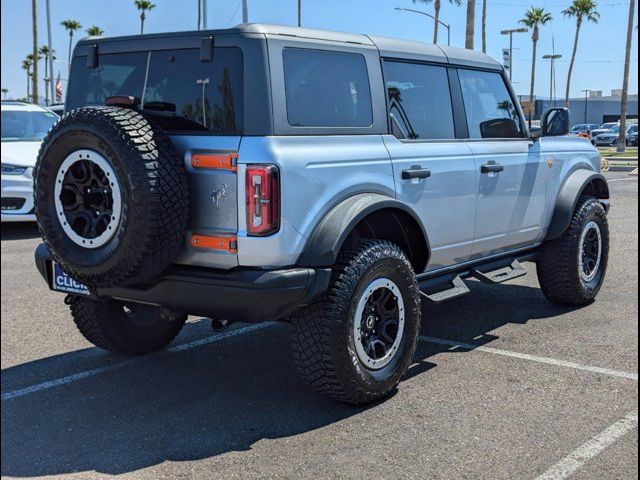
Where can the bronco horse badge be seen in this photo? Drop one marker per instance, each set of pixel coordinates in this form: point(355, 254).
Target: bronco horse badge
point(218, 196)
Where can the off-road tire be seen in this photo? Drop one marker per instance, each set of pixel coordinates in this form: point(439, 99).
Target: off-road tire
point(107, 325)
point(322, 339)
point(558, 265)
point(154, 191)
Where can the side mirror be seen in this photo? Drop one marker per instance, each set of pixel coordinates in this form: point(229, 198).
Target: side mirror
point(555, 122)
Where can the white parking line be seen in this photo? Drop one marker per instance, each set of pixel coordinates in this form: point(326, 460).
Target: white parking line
point(621, 179)
point(576, 459)
point(116, 366)
point(533, 358)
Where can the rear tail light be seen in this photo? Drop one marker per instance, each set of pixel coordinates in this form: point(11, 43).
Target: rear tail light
point(263, 200)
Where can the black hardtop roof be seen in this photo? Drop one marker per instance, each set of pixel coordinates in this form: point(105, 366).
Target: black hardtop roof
point(388, 47)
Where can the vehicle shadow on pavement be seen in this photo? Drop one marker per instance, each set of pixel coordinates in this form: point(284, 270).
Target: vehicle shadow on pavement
point(19, 231)
point(214, 399)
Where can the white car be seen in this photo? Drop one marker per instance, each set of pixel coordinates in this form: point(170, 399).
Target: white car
point(23, 128)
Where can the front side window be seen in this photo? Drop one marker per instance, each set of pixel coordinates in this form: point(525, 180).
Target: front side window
point(490, 110)
point(419, 101)
point(326, 89)
point(181, 92)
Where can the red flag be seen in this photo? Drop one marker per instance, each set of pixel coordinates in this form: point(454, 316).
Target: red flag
point(58, 89)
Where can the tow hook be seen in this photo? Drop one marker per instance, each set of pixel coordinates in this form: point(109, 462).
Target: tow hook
point(220, 324)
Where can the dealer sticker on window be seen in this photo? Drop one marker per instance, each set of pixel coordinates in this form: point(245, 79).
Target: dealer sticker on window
point(64, 283)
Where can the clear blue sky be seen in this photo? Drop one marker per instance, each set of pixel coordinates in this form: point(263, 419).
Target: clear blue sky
point(600, 56)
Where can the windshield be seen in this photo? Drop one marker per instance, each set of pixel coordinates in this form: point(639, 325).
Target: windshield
point(25, 126)
point(613, 130)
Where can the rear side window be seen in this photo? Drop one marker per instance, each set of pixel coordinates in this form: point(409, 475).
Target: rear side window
point(490, 110)
point(326, 89)
point(181, 93)
point(419, 101)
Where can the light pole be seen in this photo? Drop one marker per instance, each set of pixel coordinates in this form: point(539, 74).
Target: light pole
point(299, 13)
point(586, 104)
point(445, 25)
point(552, 84)
point(245, 12)
point(510, 33)
point(204, 15)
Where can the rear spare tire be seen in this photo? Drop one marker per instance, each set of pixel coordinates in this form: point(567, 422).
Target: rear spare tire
point(111, 196)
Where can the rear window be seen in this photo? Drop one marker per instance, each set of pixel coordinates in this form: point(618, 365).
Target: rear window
point(326, 89)
point(182, 93)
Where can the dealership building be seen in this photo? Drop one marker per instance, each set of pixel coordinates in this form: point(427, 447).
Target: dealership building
point(592, 108)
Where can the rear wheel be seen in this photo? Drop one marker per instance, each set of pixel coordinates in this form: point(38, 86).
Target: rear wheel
point(356, 342)
point(130, 328)
point(572, 268)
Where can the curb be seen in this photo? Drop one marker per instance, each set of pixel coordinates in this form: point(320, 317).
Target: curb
point(622, 168)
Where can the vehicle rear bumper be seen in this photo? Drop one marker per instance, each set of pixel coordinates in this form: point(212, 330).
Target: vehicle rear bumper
point(243, 295)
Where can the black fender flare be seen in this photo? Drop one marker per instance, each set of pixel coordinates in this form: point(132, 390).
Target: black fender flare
point(571, 190)
point(324, 244)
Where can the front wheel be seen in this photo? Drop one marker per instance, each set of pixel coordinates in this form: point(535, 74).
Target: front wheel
point(133, 328)
point(571, 269)
point(356, 342)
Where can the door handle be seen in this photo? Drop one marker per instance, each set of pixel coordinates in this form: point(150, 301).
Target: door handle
point(416, 171)
point(491, 168)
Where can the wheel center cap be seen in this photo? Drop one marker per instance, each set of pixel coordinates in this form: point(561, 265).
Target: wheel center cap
point(370, 322)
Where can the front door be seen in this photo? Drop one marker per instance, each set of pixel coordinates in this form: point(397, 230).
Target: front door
point(434, 173)
point(511, 182)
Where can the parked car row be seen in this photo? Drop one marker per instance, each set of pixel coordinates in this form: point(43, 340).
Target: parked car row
point(605, 135)
point(23, 128)
point(611, 136)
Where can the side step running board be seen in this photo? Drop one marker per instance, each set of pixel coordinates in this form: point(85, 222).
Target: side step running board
point(515, 270)
point(458, 288)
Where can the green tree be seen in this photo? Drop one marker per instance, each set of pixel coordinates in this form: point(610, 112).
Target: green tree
point(94, 31)
point(4, 93)
point(143, 6)
point(27, 63)
point(534, 18)
point(471, 25)
point(71, 26)
point(484, 26)
point(45, 53)
point(622, 139)
point(581, 10)
point(34, 74)
point(437, 6)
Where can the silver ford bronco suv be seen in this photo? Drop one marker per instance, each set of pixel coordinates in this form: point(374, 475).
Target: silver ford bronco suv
point(333, 181)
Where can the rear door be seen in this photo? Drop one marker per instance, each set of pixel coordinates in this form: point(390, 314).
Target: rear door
point(434, 172)
point(200, 104)
point(511, 181)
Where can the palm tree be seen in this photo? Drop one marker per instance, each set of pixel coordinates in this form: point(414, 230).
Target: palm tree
point(534, 19)
point(27, 63)
point(437, 6)
point(94, 31)
point(144, 6)
point(71, 26)
point(4, 93)
point(34, 77)
point(580, 10)
point(484, 26)
point(622, 138)
point(45, 53)
point(471, 24)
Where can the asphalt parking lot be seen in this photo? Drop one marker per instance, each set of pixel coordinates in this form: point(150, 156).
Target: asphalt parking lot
point(550, 391)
